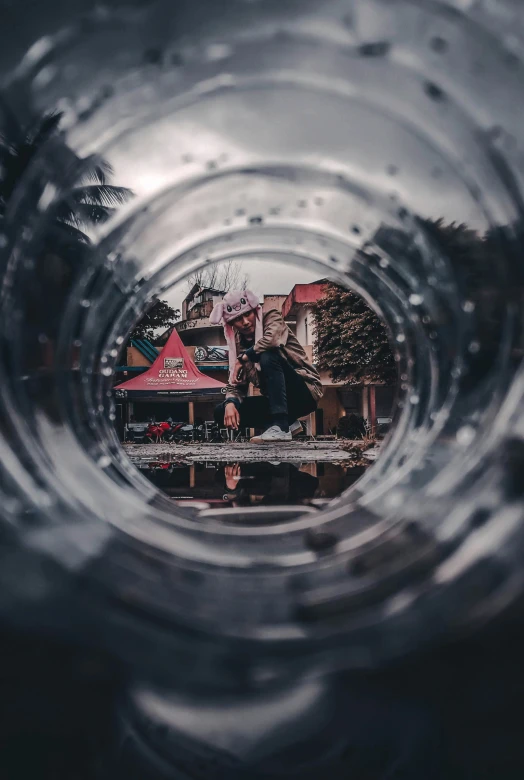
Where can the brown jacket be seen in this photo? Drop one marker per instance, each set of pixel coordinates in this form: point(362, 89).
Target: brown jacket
point(277, 335)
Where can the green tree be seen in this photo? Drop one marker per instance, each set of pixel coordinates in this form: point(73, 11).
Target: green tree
point(351, 341)
point(480, 266)
point(160, 315)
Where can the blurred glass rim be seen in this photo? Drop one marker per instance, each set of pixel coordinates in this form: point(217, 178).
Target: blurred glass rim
point(465, 102)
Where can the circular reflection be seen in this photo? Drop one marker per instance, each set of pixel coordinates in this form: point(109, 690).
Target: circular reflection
point(378, 144)
point(171, 423)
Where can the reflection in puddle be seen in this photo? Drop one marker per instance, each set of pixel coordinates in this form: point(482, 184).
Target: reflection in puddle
point(245, 484)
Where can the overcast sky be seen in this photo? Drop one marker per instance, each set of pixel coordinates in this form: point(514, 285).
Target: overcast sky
point(230, 131)
point(265, 278)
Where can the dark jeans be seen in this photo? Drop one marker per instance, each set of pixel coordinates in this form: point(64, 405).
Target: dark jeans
point(286, 395)
point(280, 484)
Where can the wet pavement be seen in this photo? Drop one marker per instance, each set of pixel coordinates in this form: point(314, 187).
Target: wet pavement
point(249, 483)
point(231, 452)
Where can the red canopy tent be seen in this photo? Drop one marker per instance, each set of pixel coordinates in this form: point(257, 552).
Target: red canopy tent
point(172, 374)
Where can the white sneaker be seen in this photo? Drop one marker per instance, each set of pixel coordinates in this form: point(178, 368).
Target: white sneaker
point(295, 427)
point(274, 433)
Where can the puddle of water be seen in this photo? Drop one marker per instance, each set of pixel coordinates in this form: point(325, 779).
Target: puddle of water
point(249, 483)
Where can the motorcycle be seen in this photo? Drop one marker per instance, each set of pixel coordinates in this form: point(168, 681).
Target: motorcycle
point(156, 431)
point(173, 433)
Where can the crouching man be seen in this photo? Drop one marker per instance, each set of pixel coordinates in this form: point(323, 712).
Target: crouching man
point(263, 351)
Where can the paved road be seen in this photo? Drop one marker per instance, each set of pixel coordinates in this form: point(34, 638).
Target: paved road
point(303, 452)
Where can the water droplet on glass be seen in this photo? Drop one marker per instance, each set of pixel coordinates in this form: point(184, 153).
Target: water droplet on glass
point(45, 76)
point(113, 353)
point(394, 499)
point(256, 220)
point(468, 307)
point(465, 435)
point(153, 56)
point(392, 170)
point(414, 399)
point(106, 371)
point(474, 347)
point(433, 91)
point(438, 44)
point(42, 498)
point(103, 461)
point(376, 49)
point(12, 506)
point(401, 338)
point(218, 51)
point(120, 340)
point(86, 303)
point(176, 59)
point(383, 262)
point(495, 133)
point(415, 299)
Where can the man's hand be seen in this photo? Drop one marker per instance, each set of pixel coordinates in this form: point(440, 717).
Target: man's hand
point(232, 475)
point(231, 417)
point(238, 374)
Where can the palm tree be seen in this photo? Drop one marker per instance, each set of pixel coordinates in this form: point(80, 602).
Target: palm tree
point(89, 203)
point(40, 173)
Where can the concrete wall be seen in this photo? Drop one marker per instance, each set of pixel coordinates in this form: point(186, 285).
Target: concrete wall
point(301, 327)
point(273, 302)
point(187, 303)
point(201, 335)
point(308, 349)
point(332, 408)
point(305, 327)
point(136, 358)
